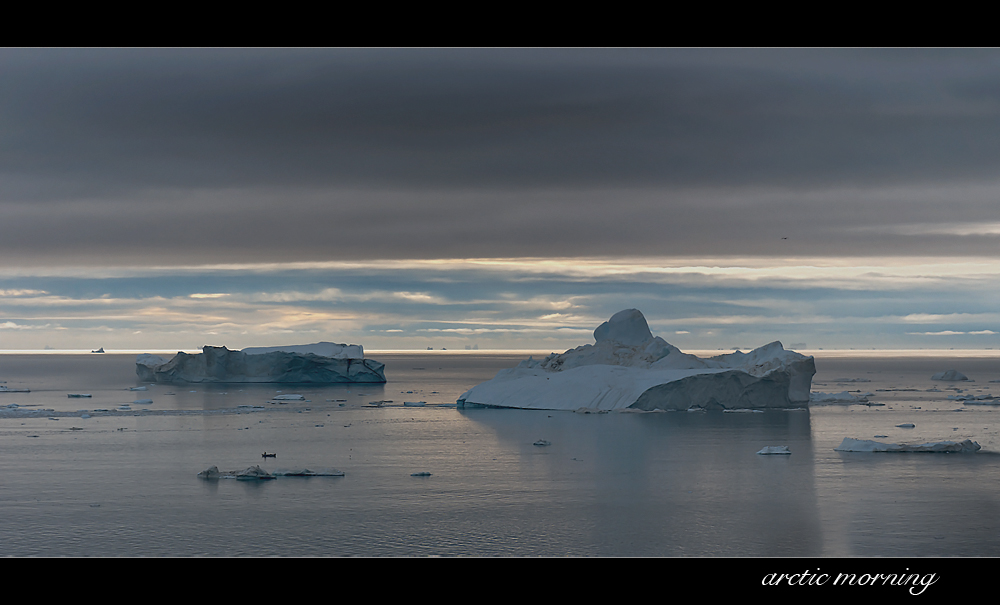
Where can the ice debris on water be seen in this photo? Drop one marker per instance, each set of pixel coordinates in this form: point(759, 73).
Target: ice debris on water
point(774, 449)
point(950, 376)
point(420, 474)
point(867, 445)
point(289, 398)
point(78, 395)
point(542, 443)
point(906, 425)
point(414, 404)
point(255, 472)
point(841, 397)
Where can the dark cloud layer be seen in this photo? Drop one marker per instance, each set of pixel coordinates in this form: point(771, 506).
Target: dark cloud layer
point(227, 155)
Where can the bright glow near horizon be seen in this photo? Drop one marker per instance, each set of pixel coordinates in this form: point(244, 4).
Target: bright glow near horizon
point(508, 303)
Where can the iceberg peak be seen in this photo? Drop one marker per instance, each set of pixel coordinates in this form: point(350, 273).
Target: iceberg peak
point(626, 327)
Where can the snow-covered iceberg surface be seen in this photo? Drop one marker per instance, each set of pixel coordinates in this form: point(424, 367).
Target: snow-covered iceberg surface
point(630, 368)
point(866, 445)
point(219, 364)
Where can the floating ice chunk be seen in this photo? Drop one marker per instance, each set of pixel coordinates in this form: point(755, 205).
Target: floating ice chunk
point(950, 376)
point(253, 473)
point(835, 398)
point(143, 401)
point(414, 404)
point(420, 474)
point(906, 425)
point(851, 380)
point(211, 472)
point(78, 395)
point(542, 443)
point(4, 389)
point(137, 388)
point(774, 449)
point(289, 398)
point(865, 445)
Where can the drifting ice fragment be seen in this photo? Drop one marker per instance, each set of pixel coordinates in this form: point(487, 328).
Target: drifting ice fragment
point(78, 395)
point(865, 445)
point(542, 443)
point(841, 397)
point(420, 474)
point(906, 425)
point(950, 376)
point(289, 398)
point(774, 449)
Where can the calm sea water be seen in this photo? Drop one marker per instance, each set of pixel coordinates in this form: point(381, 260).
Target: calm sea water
point(124, 483)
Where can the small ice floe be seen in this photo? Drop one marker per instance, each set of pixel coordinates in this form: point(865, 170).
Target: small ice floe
point(78, 395)
point(289, 398)
point(138, 389)
point(842, 397)
point(950, 376)
point(866, 445)
point(253, 473)
point(420, 474)
point(743, 411)
point(124, 408)
point(974, 399)
point(542, 443)
point(337, 400)
point(304, 472)
point(143, 401)
point(84, 415)
point(774, 449)
point(851, 380)
point(414, 404)
point(906, 425)
point(4, 389)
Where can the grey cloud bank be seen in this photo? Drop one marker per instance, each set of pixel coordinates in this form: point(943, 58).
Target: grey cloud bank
point(185, 156)
point(191, 197)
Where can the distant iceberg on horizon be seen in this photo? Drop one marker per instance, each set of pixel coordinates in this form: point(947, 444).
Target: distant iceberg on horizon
point(323, 362)
point(628, 367)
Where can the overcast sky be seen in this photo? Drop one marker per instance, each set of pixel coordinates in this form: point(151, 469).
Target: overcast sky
point(174, 198)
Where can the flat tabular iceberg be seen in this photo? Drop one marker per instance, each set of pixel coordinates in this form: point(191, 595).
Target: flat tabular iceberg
point(866, 445)
point(630, 368)
point(297, 363)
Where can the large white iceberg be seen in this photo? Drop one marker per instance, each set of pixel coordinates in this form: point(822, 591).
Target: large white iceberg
point(297, 363)
point(628, 367)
